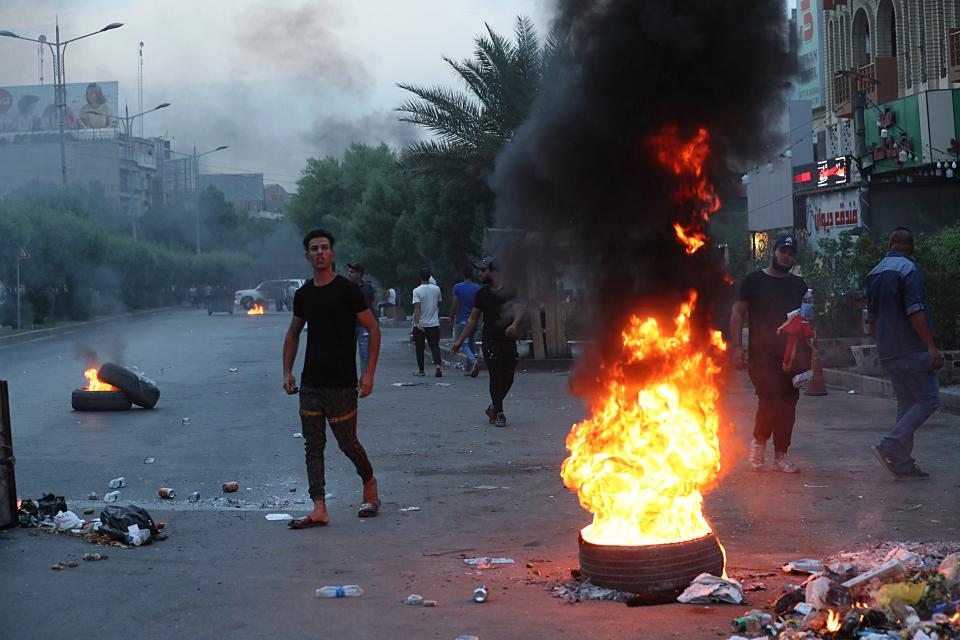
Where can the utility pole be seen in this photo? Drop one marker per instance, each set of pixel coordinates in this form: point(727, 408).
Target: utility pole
point(860, 150)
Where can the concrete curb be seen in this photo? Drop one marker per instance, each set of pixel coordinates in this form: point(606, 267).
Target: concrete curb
point(874, 386)
point(36, 334)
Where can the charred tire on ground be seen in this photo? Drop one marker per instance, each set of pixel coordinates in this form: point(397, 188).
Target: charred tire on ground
point(247, 303)
point(142, 391)
point(657, 572)
point(83, 400)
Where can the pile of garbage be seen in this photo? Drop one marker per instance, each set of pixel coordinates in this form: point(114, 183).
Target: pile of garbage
point(117, 525)
point(911, 592)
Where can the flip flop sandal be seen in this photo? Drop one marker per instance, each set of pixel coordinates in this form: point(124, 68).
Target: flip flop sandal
point(369, 509)
point(305, 522)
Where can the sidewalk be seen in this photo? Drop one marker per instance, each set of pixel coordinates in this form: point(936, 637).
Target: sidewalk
point(844, 380)
point(67, 326)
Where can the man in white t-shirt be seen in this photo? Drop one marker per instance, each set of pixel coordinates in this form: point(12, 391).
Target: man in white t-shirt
point(426, 321)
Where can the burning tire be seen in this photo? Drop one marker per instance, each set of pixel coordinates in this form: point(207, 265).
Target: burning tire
point(656, 572)
point(247, 303)
point(141, 390)
point(83, 400)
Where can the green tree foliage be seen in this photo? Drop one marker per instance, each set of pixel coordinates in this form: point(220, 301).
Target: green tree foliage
point(939, 256)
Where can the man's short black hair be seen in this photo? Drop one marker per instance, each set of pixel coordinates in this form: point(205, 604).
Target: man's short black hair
point(468, 272)
point(317, 233)
point(901, 236)
point(424, 274)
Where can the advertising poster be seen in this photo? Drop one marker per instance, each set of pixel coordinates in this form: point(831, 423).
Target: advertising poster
point(33, 109)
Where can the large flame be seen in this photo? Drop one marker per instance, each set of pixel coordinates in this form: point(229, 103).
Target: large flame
point(686, 159)
point(94, 384)
point(833, 623)
point(639, 462)
point(256, 310)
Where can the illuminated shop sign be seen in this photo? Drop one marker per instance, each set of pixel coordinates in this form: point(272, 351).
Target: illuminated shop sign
point(826, 173)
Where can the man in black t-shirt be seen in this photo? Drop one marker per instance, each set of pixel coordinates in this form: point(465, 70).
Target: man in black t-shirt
point(766, 297)
point(501, 316)
point(331, 307)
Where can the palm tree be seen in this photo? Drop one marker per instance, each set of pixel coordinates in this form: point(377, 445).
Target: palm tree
point(470, 127)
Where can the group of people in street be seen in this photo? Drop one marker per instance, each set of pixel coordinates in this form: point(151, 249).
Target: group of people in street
point(900, 321)
point(340, 316)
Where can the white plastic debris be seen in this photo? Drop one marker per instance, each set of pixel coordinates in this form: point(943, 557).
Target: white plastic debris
point(708, 588)
point(485, 562)
point(908, 558)
point(950, 568)
point(885, 571)
point(409, 509)
point(816, 593)
point(852, 392)
point(298, 435)
point(804, 565)
point(278, 517)
point(415, 599)
point(66, 520)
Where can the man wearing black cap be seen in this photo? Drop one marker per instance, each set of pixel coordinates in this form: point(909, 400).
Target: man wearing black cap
point(765, 298)
point(355, 275)
point(501, 316)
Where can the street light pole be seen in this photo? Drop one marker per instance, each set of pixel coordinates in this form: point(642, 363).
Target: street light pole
point(196, 183)
point(58, 49)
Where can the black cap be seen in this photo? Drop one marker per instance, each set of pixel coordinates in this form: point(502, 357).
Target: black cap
point(485, 263)
point(785, 240)
point(356, 267)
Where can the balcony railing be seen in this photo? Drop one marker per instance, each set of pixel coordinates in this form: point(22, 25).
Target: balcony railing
point(955, 55)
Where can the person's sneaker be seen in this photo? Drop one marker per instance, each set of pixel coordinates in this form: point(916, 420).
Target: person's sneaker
point(914, 473)
point(884, 460)
point(475, 371)
point(501, 420)
point(782, 464)
point(756, 455)
point(439, 372)
point(419, 374)
point(491, 414)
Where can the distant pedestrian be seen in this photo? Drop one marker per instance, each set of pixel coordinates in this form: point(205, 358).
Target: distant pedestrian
point(501, 316)
point(355, 274)
point(900, 320)
point(765, 298)
point(464, 294)
point(331, 307)
point(426, 321)
point(389, 301)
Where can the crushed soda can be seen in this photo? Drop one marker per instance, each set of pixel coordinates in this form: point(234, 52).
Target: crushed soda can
point(230, 487)
point(113, 496)
point(167, 492)
point(481, 594)
point(429, 603)
point(194, 497)
point(116, 483)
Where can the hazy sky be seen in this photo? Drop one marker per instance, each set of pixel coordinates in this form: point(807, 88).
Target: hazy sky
point(277, 81)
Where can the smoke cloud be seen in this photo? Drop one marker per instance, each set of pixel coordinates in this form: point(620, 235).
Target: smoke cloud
point(585, 166)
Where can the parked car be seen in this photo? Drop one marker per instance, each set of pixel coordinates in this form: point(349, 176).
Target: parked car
point(267, 292)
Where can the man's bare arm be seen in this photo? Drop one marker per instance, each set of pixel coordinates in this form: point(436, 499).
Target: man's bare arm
point(291, 342)
point(368, 322)
point(467, 329)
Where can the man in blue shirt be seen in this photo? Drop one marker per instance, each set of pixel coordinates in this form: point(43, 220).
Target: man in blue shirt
point(899, 314)
point(464, 293)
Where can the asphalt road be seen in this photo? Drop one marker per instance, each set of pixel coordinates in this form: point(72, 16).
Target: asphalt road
point(227, 571)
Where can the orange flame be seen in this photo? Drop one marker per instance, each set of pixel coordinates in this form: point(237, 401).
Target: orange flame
point(639, 463)
point(256, 310)
point(833, 621)
point(686, 160)
point(94, 384)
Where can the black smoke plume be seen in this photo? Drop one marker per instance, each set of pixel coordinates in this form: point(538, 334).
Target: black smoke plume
point(585, 164)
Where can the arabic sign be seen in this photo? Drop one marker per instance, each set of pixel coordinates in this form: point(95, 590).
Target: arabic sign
point(826, 173)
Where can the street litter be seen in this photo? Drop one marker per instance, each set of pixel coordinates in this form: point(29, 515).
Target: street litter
point(488, 487)
point(805, 565)
point(67, 521)
point(167, 493)
point(194, 497)
point(298, 435)
point(230, 487)
point(92, 496)
point(817, 486)
point(409, 509)
point(149, 460)
point(340, 591)
point(408, 384)
point(234, 369)
point(278, 517)
point(890, 591)
point(429, 603)
point(585, 590)
point(130, 524)
point(481, 594)
point(94, 557)
point(414, 599)
point(88, 511)
point(184, 420)
point(487, 563)
point(467, 638)
point(117, 483)
point(707, 588)
point(113, 496)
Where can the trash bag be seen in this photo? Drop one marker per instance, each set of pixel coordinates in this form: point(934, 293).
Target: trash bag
point(29, 513)
point(116, 519)
point(50, 505)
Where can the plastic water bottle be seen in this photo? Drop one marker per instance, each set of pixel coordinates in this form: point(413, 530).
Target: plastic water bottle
point(806, 307)
point(481, 594)
point(116, 483)
point(113, 496)
point(340, 591)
